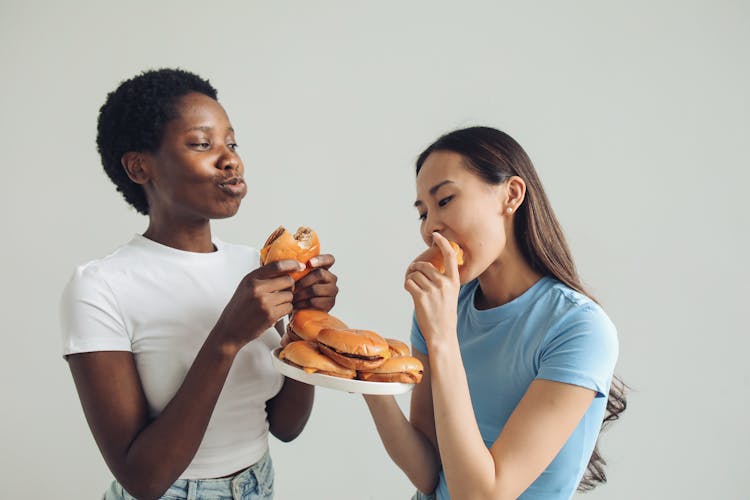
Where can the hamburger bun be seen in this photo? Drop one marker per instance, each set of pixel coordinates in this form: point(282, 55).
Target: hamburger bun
point(355, 349)
point(281, 245)
point(434, 256)
point(398, 348)
point(306, 324)
point(404, 369)
point(305, 355)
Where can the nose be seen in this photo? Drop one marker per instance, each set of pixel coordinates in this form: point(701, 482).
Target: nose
point(432, 224)
point(229, 160)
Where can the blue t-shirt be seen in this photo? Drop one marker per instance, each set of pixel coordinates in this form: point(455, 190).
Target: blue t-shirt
point(550, 332)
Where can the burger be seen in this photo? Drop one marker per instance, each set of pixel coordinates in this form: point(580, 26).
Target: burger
point(404, 369)
point(307, 323)
point(397, 348)
point(355, 349)
point(306, 355)
point(434, 256)
point(281, 245)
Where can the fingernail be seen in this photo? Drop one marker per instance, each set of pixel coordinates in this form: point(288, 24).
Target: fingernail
point(314, 261)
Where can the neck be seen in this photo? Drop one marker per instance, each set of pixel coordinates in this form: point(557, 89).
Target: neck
point(506, 279)
point(194, 237)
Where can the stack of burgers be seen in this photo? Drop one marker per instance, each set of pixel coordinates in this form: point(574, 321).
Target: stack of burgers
point(322, 343)
point(318, 342)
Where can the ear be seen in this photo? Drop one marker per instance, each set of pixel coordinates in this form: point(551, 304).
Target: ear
point(137, 166)
point(515, 193)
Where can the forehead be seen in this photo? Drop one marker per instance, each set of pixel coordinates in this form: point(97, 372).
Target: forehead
point(195, 108)
point(440, 166)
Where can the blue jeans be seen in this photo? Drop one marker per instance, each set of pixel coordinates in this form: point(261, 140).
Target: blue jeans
point(418, 495)
point(253, 483)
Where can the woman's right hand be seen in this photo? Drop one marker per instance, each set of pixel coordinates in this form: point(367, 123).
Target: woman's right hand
point(262, 298)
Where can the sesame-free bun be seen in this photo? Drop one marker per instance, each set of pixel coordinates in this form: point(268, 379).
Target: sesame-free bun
point(282, 245)
point(305, 355)
point(398, 348)
point(355, 349)
point(306, 324)
point(434, 256)
point(404, 369)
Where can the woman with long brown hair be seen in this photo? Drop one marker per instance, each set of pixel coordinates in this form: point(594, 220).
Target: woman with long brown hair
point(518, 357)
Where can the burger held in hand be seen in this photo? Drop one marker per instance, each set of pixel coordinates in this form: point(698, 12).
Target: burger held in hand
point(281, 245)
point(434, 256)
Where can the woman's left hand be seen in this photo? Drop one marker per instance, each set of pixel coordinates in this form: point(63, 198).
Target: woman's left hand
point(318, 289)
point(435, 295)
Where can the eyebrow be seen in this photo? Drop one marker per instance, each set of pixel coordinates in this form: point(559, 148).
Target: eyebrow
point(206, 128)
point(434, 189)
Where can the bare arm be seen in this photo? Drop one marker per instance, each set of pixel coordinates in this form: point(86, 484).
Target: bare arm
point(411, 444)
point(147, 456)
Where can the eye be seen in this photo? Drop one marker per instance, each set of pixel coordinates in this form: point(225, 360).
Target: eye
point(423, 216)
point(200, 145)
point(233, 146)
point(444, 201)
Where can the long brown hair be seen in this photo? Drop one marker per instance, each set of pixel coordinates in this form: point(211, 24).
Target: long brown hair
point(495, 157)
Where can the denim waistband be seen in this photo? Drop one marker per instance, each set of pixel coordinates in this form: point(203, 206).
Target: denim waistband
point(255, 482)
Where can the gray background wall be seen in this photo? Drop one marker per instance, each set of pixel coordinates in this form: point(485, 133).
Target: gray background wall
point(635, 114)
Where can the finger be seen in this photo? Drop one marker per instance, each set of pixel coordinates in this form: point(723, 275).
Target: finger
point(317, 276)
point(284, 282)
point(280, 298)
point(425, 268)
point(320, 303)
point(449, 255)
point(278, 268)
point(412, 288)
point(324, 261)
point(420, 280)
point(282, 310)
point(317, 290)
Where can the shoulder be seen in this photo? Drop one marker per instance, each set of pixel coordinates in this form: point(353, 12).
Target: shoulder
point(577, 319)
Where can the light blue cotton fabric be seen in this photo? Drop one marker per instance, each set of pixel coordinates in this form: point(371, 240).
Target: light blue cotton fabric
point(550, 332)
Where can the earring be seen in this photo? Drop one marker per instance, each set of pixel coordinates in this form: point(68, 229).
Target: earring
point(509, 210)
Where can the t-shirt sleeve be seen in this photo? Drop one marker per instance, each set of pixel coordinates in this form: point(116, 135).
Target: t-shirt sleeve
point(417, 340)
point(90, 319)
point(581, 351)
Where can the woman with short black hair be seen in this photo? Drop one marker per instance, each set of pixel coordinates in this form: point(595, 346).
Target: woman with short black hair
point(168, 338)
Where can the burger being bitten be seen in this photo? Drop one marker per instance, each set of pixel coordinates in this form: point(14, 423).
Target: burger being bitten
point(305, 355)
point(434, 256)
point(355, 349)
point(281, 245)
point(404, 369)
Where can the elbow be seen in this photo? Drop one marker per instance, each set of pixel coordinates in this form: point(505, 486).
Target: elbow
point(425, 483)
point(141, 487)
point(286, 436)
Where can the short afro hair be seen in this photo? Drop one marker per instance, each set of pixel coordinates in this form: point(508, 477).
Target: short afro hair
point(133, 119)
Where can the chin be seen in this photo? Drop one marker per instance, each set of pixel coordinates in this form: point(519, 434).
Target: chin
point(226, 210)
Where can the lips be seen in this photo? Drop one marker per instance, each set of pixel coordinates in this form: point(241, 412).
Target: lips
point(234, 186)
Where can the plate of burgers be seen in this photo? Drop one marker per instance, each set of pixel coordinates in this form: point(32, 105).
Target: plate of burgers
point(321, 350)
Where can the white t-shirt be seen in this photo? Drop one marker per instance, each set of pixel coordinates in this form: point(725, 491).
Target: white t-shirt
point(160, 303)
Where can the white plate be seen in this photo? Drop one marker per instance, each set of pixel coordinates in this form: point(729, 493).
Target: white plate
point(337, 383)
